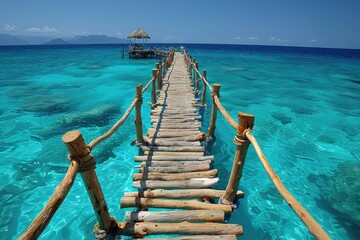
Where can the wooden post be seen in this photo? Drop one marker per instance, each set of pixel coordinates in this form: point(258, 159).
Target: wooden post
point(203, 93)
point(193, 69)
point(79, 151)
point(159, 75)
point(153, 92)
point(138, 119)
point(212, 126)
point(196, 68)
point(246, 121)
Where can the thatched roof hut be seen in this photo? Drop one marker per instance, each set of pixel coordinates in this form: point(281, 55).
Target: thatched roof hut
point(138, 33)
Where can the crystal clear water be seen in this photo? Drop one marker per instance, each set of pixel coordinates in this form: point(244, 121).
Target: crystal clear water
point(307, 108)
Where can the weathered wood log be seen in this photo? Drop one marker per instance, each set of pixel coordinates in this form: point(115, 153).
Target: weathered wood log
point(166, 143)
point(183, 126)
point(176, 216)
point(78, 150)
point(176, 169)
point(183, 111)
point(145, 228)
point(194, 138)
point(165, 114)
point(198, 237)
point(193, 183)
point(172, 158)
point(175, 121)
point(203, 93)
point(246, 121)
point(197, 154)
point(43, 218)
point(172, 132)
point(173, 163)
point(174, 149)
point(212, 125)
point(138, 119)
point(183, 193)
point(153, 89)
point(182, 204)
point(176, 118)
point(174, 176)
point(313, 226)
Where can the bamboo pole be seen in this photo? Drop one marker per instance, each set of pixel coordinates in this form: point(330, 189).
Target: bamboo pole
point(203, 93)
point(138, 119)
point(153, 92)
point(78, 150)
point(42, 220)
point(212, 126)
point(246, 121)
point(313, 226)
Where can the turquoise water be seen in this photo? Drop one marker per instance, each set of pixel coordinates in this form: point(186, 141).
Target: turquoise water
point(307, 108)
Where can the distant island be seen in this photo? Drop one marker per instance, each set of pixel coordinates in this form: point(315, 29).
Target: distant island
point(56, 41)
point(6, 39)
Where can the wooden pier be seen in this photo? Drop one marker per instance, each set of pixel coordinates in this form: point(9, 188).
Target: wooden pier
point(173, 171)
point(174, 159)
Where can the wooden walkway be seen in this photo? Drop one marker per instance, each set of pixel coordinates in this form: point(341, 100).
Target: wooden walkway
point(174, 172)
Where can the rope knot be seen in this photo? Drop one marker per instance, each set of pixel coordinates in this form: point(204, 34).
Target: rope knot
point(84, 165)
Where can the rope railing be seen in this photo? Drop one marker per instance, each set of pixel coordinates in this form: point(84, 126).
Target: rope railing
point(148, 84)
point(113, 129)
point(83, 162)
point(313, 226)
point(242, 139)
point(225, 114)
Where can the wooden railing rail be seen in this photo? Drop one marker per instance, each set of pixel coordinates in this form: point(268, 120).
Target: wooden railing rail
point(43, 218)
point(313, 226)
point(83, 162)
point(242, 139)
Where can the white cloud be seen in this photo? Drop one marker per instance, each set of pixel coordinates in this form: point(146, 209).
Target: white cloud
point(274, 39)
point(43, 30)
point(253, 38)
point(119, 34)
point(50, 30)
point(33, 30)
point(239, 38)
point(312, 40)
point(9, 28)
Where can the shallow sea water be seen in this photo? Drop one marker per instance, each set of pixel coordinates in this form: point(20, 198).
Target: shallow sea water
point(307, 108)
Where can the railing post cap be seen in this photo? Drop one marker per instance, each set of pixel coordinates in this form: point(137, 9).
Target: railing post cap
point(246, 121)
point(139, 92)
point(71, 136)
point(154, 71)
point(76, 145)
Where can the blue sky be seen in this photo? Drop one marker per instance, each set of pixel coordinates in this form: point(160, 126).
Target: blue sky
point(318, 23)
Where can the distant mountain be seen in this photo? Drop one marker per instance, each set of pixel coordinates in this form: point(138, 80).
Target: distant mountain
point(6, 39)
point(96, 39)
point(56, 41)
point(35, 40)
